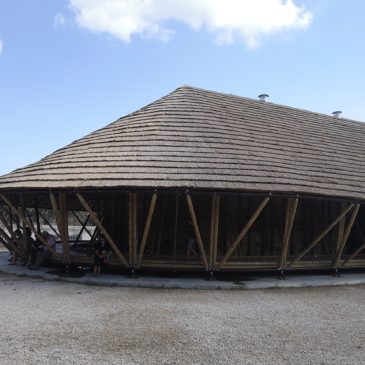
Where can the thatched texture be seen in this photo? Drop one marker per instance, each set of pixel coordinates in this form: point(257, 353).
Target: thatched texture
point(200, 139)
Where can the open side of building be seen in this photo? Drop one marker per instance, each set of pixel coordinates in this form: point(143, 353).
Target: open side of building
point(204, 181)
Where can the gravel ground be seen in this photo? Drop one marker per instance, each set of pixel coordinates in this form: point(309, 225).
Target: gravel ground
point(62, 323)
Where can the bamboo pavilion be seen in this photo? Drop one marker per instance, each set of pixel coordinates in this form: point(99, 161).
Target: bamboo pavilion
point(201, 180)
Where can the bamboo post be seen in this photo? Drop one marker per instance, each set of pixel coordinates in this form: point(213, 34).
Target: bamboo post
point(146, 228)
point(216, 227)
point(62, 223)
point(135, 228)
point(24, 226)
point(244, 231)
point(290, 215)
point(321, 235)
point(36, 210)
point(5, 244)
point(130, 229)
point(361, 248)
point(10, 243)
point(175, 225)
point(196, 231)
point(97, 222)
point(212, 222)
point(341, 228)
point(346, 234)
point(59, 222)
point(11, 237)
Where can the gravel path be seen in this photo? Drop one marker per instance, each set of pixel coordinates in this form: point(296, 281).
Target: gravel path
point(60, 323)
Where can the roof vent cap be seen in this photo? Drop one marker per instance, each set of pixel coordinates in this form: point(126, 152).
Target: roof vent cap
point(337, 113)
point(263, 97)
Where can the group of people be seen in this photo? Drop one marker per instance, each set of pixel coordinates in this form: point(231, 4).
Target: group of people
point(31, 252)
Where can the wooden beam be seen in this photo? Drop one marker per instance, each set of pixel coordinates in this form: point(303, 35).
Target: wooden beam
point(290, 215)
point(196, 231)
point(243, 232)
point(321, 235)
point(346, 234)
point(107, 236)
point(146, 229)
point(25, 220)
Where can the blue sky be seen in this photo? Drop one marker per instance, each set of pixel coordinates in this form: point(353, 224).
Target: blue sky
point(68, 67)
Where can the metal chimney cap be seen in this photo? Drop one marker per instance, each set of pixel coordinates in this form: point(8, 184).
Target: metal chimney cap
point(263, 97)
point(337, 113)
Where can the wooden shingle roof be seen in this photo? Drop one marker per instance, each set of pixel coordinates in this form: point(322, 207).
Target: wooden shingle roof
point(193, 138)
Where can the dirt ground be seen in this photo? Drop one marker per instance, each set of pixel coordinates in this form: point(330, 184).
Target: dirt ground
point(61, 323)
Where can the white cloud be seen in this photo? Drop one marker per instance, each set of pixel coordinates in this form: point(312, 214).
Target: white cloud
point(1, 46)
point(228, 20)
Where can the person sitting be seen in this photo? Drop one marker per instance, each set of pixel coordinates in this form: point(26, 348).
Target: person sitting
point(45, 251)
point(101, 256)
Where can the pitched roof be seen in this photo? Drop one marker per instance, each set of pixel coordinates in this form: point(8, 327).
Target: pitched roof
point(195, 138)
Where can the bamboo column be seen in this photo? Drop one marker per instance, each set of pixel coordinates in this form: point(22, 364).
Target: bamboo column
point(36, 210)
point(357, 252)
point(132, 224)
point(197, 231)
point(146, 229)
point(321, 235)
point(100, 226)
point(290, 215)
point(243, 232)
point(214, 223)
point(346, 234)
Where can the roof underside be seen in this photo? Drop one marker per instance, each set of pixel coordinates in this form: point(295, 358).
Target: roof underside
point(194, 138)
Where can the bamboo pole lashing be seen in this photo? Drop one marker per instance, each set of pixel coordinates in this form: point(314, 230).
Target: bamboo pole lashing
point(100, 226)
point(244, 231)
point(23, 219)
point(197, 231)
point(147, 228)
point(346, 235)
point(321, 235)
